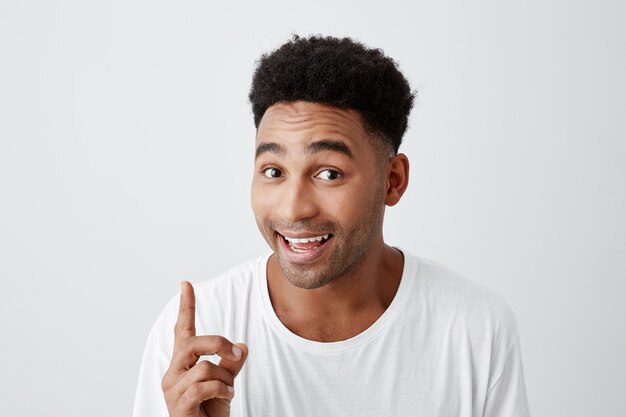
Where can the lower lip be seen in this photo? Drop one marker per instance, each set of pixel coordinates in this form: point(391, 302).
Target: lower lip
point(307, 256)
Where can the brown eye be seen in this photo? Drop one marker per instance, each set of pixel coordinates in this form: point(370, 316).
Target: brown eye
point(329, 175)
point(272, 173)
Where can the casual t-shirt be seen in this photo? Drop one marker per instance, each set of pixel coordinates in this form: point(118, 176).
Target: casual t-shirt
point(444, 347)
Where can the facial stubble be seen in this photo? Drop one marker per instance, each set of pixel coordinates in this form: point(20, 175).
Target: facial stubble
point(348, 251)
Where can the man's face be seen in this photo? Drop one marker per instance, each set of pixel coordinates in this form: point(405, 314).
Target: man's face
point(318, 192)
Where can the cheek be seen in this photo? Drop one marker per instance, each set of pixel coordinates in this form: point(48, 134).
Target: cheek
point(350, 203)
point(255, 200)
point(340, 204)
point(261, 200)
point(261, 210)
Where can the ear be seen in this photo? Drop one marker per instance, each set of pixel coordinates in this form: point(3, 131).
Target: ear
point(397, 178)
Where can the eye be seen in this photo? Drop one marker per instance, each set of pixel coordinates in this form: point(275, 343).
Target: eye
point(329, 175)
point(272, 173)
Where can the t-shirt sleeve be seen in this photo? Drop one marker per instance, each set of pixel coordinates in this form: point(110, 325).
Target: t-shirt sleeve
point(506, 396)
point(149, 399)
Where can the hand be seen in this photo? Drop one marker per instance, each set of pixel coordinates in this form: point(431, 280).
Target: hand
point(192, 388)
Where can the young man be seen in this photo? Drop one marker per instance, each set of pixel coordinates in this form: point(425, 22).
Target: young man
point(333, 322)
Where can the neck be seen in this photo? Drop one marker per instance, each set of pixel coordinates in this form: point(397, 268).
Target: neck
point(344, 307)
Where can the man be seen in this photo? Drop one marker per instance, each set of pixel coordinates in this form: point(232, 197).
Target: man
point(333, 322)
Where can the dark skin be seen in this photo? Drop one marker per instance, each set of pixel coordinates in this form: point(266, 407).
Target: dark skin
point(307, 188)
point(317, 172)
point(337, 311)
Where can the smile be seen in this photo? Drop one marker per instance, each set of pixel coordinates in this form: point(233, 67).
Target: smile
point(306, 239)
point(304, 244)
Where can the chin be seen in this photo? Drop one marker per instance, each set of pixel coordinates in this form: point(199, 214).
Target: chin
point(305, 278)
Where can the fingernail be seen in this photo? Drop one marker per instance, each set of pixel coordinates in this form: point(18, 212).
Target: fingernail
point(231, 390)
point(237, 352)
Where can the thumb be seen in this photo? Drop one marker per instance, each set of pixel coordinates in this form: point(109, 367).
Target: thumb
point(235, 366)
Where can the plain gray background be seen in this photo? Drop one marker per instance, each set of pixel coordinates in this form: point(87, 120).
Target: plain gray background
point(126, 158)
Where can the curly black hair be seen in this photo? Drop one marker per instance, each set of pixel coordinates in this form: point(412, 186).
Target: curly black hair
point(338, 72)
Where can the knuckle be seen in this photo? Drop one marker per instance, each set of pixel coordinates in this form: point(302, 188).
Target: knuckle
point(213, 387)
point(190, 396)
point(230, 380)
point(188, 348)
point(170, 397)
point(165, 383)
point(204, 369)
point(193, 391)
point(222, 342)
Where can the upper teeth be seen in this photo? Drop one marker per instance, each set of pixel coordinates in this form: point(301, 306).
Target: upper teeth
point(306, 239)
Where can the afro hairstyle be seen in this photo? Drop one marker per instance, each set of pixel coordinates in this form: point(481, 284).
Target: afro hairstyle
point(337, 72)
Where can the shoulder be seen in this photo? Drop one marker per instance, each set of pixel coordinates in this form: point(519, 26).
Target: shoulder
point(450, 296)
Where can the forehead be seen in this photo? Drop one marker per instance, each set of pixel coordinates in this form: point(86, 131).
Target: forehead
point(296, 124)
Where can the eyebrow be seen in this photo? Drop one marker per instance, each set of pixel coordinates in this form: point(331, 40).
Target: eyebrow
point(329, 145)
point(313, 148)
point(269, 147)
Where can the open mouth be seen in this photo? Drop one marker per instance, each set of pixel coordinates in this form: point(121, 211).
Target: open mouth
point(305, 244)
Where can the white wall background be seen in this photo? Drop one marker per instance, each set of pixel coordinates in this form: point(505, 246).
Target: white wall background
point(126, 145)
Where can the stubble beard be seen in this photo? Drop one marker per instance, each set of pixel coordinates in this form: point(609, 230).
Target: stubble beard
point(348, 251)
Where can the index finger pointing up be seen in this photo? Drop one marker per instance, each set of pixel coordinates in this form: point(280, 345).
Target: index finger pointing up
point(186, 322)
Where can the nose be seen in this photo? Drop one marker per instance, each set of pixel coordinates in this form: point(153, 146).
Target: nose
point(297, 201)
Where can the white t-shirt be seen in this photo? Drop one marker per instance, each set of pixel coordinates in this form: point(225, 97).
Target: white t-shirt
point(445, 347)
